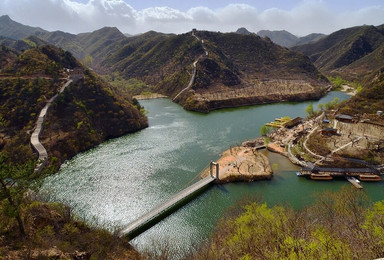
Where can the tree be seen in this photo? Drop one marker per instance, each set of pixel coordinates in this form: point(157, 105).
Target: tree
point(14, 180)
point(264, 130)
point(309, 110)
point(88, 60)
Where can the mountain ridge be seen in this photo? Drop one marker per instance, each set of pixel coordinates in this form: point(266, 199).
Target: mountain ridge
point(15, 30)
point(350, 52)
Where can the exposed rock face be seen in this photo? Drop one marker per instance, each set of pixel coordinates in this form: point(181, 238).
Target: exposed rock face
point(260, 93)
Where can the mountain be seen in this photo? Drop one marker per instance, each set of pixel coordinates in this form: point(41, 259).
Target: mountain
point(84, 115)
point(351, 52)
point(282, 38)
point(15, 30)
point(286, 39)
point(239, 69)
point(370, 99)
point(230, 69)
point(243, 31)
point(310, 38)
point(22, 45)
point(91, 47)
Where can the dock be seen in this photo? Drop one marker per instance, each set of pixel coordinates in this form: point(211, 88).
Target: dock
point(351, 174)
point(354, 182)
point(337, 172)
point(141, 224)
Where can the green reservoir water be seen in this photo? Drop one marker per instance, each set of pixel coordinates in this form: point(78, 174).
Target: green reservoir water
point(121, 179)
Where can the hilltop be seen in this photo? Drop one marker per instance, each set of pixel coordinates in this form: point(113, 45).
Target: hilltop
point(351, 53)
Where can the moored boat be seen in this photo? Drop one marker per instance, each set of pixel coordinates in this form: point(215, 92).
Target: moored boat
point(369, 177)
point(322, 177)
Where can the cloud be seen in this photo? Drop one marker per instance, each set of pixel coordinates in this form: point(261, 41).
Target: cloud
point(202, 15)
point(305, 17)
point(309, 17)
point(370, 15)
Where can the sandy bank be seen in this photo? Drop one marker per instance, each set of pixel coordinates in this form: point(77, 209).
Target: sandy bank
point(242, 164)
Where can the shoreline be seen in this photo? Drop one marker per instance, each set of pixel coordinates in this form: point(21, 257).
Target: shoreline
point(149, 96)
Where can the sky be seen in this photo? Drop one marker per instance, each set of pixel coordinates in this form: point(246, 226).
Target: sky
point(300, 17)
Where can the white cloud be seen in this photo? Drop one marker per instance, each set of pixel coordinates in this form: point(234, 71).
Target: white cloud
point(370, 15)
point(202, 15)
point(68, 15)
point(162, 15)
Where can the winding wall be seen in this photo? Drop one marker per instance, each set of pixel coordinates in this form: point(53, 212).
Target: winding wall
point(35, 137)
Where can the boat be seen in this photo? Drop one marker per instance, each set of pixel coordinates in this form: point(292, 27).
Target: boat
point(356, 180)
point(369, 177)
point(322, 177)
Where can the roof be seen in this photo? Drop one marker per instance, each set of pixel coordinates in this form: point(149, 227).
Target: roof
point(347, 117)
point(328, 129)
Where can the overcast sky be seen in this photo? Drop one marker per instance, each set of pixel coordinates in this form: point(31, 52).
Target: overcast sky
point(299, 17)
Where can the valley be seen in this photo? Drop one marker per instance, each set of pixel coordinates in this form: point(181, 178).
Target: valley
point(112, 153)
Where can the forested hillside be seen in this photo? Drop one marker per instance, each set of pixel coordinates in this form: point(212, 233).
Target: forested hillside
point(87, 113)
point(236, 67)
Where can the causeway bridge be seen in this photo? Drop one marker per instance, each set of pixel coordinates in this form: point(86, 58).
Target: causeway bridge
point(158, 213)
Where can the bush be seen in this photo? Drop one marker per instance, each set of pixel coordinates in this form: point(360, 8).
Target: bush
point(339, 225)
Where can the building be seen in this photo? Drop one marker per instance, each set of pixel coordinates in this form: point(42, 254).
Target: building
point(329, 131)
point(345, 118)
point(293, 122)
point(75, 74)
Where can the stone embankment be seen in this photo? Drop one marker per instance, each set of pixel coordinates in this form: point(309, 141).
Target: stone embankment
point(35, 137)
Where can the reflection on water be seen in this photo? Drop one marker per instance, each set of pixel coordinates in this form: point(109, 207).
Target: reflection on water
point(121, 179)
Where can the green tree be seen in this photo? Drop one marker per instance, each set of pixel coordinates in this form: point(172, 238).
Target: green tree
point(309, 110)
point(264, 130)
point(88, 60)
point(14, 180)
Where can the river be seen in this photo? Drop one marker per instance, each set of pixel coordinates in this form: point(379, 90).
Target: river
point(123, 178)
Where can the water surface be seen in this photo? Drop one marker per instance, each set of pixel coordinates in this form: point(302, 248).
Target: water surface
point(122, 179)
